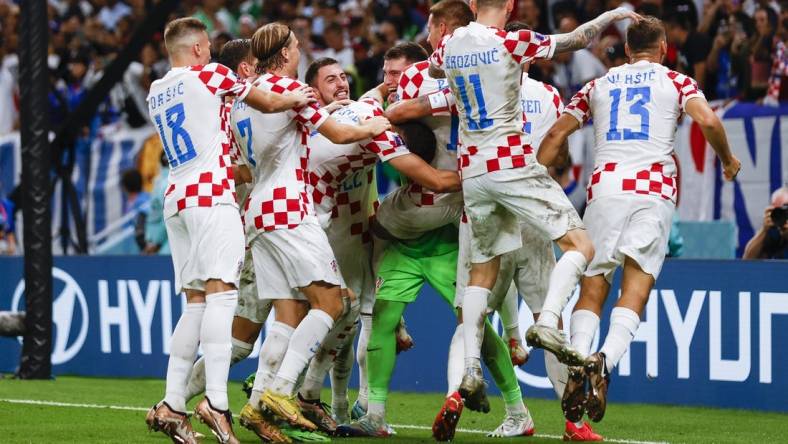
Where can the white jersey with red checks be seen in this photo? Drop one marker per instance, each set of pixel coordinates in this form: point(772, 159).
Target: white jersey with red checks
point(635, 109)
point(483, 69)
point(276, 148)
point(187, 108)
point(414, 82)
point(542, 107)
point(341, 177)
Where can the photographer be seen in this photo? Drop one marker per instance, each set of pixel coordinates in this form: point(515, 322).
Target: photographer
point(771, 240)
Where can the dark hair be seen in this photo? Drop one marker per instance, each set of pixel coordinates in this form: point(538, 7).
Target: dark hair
point(180, 27)
point(131, 181)
point(454, 13)
point(516, 26)
point(645, 34)
point(674, 19)
point(419, 139)
point(333, 27)
point(411, 51)
point(314, 68)
point(234, 52)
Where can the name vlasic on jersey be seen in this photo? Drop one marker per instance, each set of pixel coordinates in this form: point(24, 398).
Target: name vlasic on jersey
point(414, 82)
point(186, 107)
point(275, 145)
point(635, 109)
point(483, 68)
point(342, 177)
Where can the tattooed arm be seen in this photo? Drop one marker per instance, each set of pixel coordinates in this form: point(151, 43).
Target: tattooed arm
point(585, 33)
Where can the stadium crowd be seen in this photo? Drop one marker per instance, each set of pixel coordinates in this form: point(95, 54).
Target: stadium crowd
point(734, 48)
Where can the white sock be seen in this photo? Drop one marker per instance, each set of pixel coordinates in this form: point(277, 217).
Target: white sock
point(343, 364)
point(623, 326)
point(516, 408)
point(273, 350)
point(377, 408)
point(557, 373)
point(563, 279)
point(474, 309)
point(510, 314)
point(325, 357)
point(196, 384)
point(361, 358)
point(582, 328)
point(456, 365)
point(304, 343)
point(216, 341)
point(183, 349)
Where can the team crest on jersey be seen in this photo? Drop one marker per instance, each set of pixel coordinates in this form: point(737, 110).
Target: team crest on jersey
point(397, 140)
point(378, 283)
point(334, 267)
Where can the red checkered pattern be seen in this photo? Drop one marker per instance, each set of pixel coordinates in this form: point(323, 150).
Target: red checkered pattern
point(579, 106)
point(326, 178)
point(311, 113)
point(412, 79)
point(235, 152)
point(436, 59)
point(507, 157)
point(651, 181)
point(525, 45)
point(779, 69)
point(286, 209)
point(686, 86)
point(556, 99)
point(221, 81)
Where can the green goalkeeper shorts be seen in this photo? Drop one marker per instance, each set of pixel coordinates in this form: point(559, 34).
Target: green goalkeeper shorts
point(400, 276)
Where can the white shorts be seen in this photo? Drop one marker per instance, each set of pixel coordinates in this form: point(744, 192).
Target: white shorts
point(206, 243)
point(355, 263)
point(529, 267)
point(628, 225)
point(404, 219)
point(250, 306)
point(288, 259)
point(497, 203)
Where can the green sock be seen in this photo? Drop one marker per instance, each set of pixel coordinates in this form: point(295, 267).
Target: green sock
point(382, 349)
point(496, 357)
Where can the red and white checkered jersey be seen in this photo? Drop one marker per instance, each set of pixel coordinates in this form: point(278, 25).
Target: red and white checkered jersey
point(542, 106)
point(635, 109)
point(414, 82)
point(342, 177)
point(186, 107)
point(276, 148)
point(483, 67)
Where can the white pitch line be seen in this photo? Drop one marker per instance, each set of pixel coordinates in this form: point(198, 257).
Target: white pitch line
point(401, 426)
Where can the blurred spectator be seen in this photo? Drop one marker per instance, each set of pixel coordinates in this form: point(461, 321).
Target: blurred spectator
point(135, 207)
point(7, 228)
point(777, 91)
point(336, 48)
point(155, 230)
point(771, 240)
point(216, 17)
point(9, 94)
point(572, 70)
point(531, 13)
point(760, 54)
point(112, 12)
point(725, 63)
point(693, 48)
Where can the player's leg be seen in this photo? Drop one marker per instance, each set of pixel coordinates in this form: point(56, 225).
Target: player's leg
point(340, 377)
point(399, 281)
point(510, 319)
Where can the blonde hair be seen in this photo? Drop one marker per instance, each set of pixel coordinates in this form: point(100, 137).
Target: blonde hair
point(267, 45)
point(177, 30)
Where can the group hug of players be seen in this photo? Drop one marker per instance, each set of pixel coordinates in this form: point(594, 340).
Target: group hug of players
point(272, 203)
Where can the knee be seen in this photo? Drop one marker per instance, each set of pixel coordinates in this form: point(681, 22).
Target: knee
point(331, 305)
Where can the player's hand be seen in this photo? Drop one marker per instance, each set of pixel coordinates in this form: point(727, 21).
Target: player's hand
point(336, 105)
point(377, 124)
point(624, 14)
point(303, 95)
point(731, 168)
point(452, 181)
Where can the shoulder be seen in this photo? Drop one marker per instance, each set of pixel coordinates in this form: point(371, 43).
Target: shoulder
point(277, 84)
point(413, 78)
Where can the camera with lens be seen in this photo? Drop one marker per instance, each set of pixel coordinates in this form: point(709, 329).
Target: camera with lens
point(780, 215)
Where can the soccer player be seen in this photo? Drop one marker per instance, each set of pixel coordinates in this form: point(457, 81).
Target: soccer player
point(341, 179)
point(631, 195)
point(294, 264)
point(202, 220)
point(502, 183)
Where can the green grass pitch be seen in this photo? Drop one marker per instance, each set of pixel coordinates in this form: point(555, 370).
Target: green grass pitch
point(87, 417)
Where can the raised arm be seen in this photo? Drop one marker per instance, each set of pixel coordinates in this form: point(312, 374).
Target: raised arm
point(270, 102)
point(585, 33)
point(419, 171)
point(409, 109)
point(340, 133)
point(551, 151)
point(714, 132)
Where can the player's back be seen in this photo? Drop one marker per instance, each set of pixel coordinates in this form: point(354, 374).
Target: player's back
point(635, 109)
point(186, 107)
point(482, 65)
point(541, 105)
